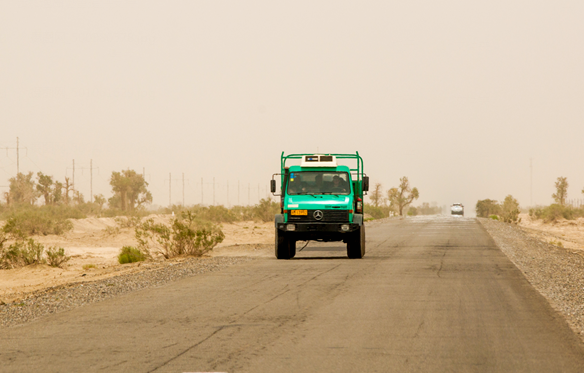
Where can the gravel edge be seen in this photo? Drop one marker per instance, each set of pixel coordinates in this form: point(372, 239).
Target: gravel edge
point(66, 297)
point(556, 273)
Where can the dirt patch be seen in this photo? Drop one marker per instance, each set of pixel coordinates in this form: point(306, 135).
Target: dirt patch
point(570, 233)
point(94, 244)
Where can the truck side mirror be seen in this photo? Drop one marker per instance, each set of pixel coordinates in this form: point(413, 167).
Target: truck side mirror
point(273, 185)
point(365, 183)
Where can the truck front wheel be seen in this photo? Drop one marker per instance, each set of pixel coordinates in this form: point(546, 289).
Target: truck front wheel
point(285, 247)
point(356, 245)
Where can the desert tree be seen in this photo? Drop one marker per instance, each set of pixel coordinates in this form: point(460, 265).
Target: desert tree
point(57, 193)
point(78, 197)
point(22, 189)
point(376, 196)
point(402, 196)
point(561, 191)
point(129, 190)
point(510, 210)
point(99, 199)
point(487, 207)
point(68, 187)
point(45, 187)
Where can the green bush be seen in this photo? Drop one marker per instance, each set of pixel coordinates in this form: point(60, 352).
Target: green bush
point(10, 255)
point(186, 235)
point(130, 254)
point(32, 252)
point(266, 210)
point(487, 208)
point(494, 217)
point(21, 252)
point(376, 212)
point(56, 256)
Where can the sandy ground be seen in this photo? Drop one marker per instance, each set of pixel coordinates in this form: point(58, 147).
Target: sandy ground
point(569, 232)
point(94, 244)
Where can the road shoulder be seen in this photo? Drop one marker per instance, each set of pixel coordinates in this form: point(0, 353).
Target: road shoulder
point(553, 271)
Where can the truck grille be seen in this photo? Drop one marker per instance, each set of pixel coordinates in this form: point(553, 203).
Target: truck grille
point(328, 216)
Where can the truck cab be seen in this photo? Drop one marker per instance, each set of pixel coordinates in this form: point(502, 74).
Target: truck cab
point(321, 200)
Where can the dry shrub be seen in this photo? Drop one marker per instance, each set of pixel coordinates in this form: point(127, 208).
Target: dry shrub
point(127, 221)
point(22, 252)
point(510, 210)
point(56, 256)
point(38, 221)
point(555, 212)
point(186, 235)
point(111, 231)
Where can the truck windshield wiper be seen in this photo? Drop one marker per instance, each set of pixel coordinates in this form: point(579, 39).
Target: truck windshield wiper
point(307, 194)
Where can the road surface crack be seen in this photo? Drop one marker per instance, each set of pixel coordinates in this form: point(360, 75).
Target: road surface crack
point(187, 350)
point(441, 263)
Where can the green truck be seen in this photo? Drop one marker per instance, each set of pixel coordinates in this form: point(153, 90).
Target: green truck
point(320, 200)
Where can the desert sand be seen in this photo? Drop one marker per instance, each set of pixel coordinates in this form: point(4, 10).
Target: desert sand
point(94, 244)
point(570, 233)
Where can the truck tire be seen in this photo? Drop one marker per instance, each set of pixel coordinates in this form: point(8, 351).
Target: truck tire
point(292, 248)
point(356, 245)
point(283, 246)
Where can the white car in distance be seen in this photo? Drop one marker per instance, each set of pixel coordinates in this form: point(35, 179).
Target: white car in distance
point(457, 209)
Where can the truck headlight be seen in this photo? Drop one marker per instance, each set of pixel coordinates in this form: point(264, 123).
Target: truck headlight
point(290, 227)
point(345, 227)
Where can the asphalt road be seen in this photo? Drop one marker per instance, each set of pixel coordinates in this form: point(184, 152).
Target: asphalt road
point(431, 295)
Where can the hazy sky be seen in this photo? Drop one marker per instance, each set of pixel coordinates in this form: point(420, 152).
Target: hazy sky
point(456, 95)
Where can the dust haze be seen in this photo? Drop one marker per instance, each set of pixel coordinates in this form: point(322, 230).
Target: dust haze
point(456, 96)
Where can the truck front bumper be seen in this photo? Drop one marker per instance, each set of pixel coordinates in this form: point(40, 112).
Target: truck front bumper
point(326, 232)
point(318, 227)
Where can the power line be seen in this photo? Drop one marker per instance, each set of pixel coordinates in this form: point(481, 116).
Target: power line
point(7, 148)
point(90, 168)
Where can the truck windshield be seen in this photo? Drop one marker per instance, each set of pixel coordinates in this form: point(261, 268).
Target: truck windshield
point(319, 182)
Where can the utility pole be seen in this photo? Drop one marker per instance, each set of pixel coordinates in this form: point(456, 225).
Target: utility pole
point(169, 189)
point(531, 181)
point(248, 194)
point(90, 168)
point(258, 192)
point(183, 175)
point(17, 154)
point(213, 191)
point(91, 180)
point(227, 193)
point(237, 192)
point(201, 191)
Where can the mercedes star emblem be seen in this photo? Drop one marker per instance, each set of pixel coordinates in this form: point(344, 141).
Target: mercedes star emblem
point(318, 215)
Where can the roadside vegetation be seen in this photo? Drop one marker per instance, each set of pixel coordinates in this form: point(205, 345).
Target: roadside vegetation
point(264, 211)
point(506, 211)
point(187, 235)
point(560, 209)
point(18, 251)
point(38, 204)
point(397, 201)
